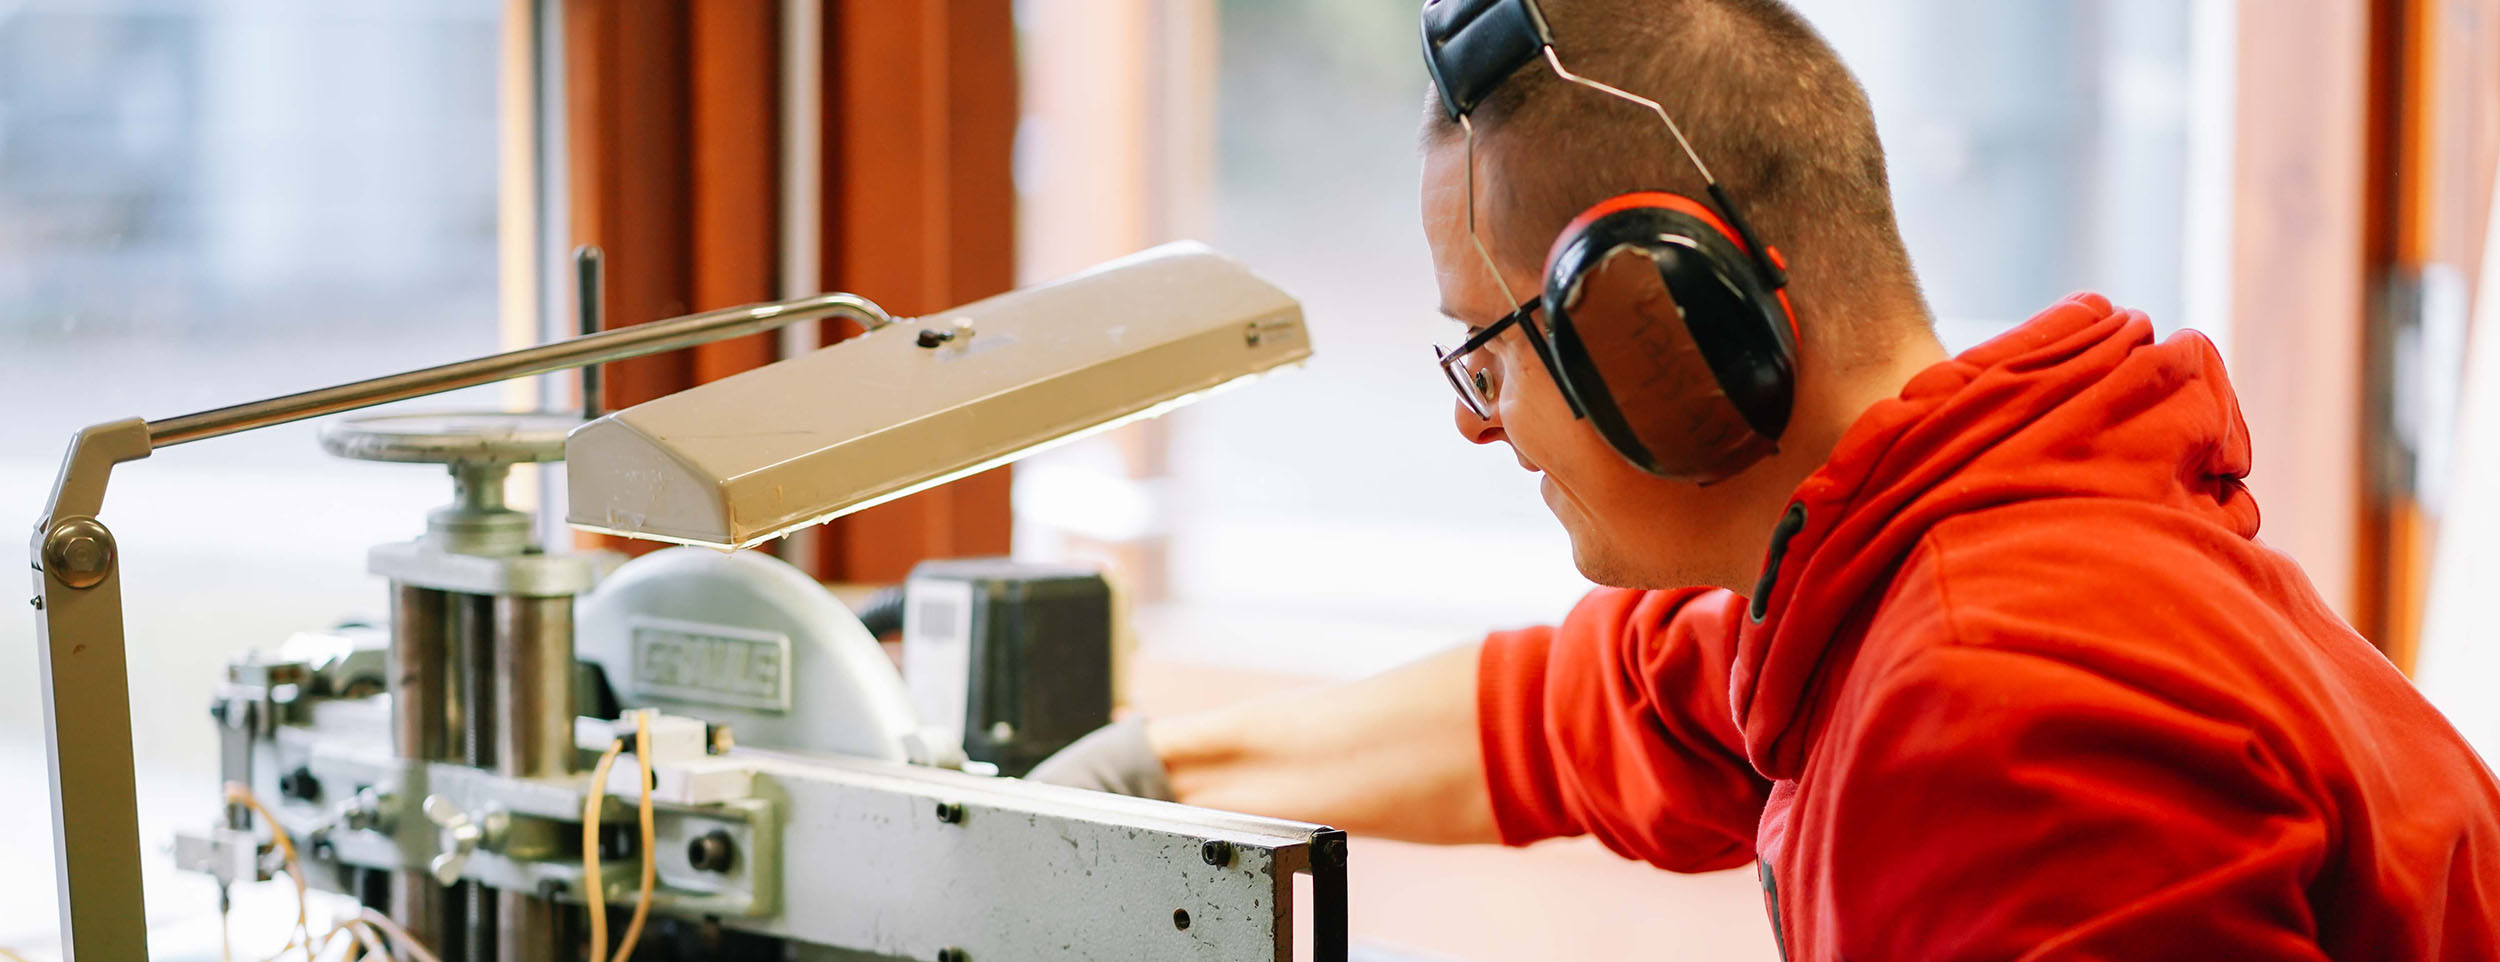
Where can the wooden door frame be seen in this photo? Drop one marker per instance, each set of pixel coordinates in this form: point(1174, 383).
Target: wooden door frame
point(2359, 127)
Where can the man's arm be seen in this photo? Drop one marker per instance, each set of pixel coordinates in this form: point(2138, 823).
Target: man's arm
point(1395, 756)
point(1392, 756)
point(1615, 724)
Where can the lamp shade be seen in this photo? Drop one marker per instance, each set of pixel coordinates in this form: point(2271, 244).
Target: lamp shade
point(926, 400)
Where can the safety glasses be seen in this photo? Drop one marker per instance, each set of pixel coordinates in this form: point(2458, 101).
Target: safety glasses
point(1477, 374)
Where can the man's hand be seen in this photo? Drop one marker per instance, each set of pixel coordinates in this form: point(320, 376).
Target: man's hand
point(1396, 756)
point(1116, 758)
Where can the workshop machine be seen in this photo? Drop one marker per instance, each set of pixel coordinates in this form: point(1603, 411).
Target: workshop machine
point(803, 802)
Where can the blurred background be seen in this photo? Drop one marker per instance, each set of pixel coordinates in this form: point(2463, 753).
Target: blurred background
point(214, 201)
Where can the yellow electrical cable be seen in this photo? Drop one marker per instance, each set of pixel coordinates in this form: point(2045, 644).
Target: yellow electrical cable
point(361, 941)
point(369, 940)
point(322, 945)
point(650, 839)
point(407, 943)
point(365, 929)
point(240, 794)
point(593, 891)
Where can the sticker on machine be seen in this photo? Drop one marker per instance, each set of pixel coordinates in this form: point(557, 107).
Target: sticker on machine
point(690, 661)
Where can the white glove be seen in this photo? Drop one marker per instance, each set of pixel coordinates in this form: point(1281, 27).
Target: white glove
point(1116, 758)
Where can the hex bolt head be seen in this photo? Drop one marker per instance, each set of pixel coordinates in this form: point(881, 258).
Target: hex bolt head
point(1216, 852)
point(78, 552)
point(950, 812)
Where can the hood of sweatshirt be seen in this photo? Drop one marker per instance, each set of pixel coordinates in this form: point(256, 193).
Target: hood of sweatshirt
point(2078, 402)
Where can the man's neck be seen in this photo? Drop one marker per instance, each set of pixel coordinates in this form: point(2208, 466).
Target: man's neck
point(1826, 409)
point(1856, 390)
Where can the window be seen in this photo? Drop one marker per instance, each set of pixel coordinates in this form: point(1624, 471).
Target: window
point(204, 204)
point(2063, 146)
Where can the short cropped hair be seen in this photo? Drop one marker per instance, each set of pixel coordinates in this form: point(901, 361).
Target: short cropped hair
point(1765, 101)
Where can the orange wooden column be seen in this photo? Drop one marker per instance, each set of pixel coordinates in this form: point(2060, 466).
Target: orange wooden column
point(672, 128)
point(672, 121)
point(625, 134)
point(921, 109)
point(736, 124)
point(2436, 131)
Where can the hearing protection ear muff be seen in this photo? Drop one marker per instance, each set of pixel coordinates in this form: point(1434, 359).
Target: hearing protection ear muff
point(1667, 319)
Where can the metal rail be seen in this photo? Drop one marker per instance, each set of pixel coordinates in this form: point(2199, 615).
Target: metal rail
point(600, 348)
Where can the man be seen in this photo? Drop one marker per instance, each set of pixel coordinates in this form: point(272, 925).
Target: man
point(1985, 662)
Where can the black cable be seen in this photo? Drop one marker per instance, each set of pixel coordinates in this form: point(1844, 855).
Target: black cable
point(883, 614)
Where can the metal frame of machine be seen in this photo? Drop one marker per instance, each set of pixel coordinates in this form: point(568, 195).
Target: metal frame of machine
point(459, 765)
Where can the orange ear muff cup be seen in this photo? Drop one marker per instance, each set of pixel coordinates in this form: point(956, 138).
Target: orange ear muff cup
point(1666, 336)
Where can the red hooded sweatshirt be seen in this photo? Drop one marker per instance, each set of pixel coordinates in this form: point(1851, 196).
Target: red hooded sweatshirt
point(2018, 682)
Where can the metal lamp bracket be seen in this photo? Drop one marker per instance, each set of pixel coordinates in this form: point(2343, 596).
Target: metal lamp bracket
point(85, 671)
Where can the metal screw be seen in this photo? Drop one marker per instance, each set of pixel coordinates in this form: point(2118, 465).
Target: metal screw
point(932, 337)
point(1217, 852)
point(36, 601)
point(82, 552)
point(950, 812)
point(79, 552)
point(712, 852)
point(953, 954)
point(368, 810)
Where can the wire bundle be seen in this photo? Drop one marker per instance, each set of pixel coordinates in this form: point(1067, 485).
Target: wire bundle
point(364, 932)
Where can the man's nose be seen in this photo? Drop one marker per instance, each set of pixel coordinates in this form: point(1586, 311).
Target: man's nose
point(1481, 430)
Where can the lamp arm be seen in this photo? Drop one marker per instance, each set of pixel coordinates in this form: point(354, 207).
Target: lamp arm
point(86, 679)
point(615, 345)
